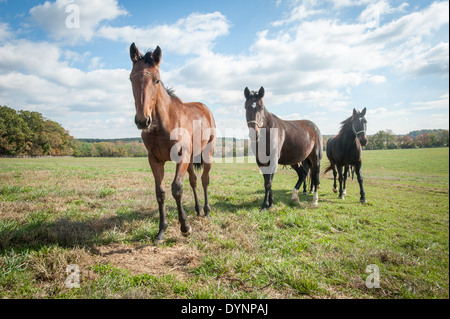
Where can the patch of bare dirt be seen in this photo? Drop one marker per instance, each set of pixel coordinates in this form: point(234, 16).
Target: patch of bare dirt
point(153, 260)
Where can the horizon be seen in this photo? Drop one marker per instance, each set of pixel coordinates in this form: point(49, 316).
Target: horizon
point(317, 60)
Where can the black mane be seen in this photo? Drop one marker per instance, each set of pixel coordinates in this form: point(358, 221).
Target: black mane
point(171, 92)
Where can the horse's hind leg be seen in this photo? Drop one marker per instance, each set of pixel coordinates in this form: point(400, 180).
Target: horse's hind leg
point(335, 190)
point(205, 183)
point(301, 171)
point(315, 175)
point(193, 182)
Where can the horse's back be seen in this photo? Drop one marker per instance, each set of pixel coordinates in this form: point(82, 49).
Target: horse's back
point(197, 110)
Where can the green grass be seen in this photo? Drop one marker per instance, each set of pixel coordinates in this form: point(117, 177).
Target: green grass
point(101, 214)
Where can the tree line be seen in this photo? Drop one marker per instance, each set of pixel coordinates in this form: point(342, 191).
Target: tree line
point(416, 139)
point(29, 133)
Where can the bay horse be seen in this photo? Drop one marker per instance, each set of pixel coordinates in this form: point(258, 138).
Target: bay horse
point(171, 130)
point(295, 143)
point(344, 151)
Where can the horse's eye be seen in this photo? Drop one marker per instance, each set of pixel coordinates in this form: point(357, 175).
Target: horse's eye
point(157, 81)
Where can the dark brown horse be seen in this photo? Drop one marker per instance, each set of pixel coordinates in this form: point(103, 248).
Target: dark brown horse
point(275, 141)
point(344, 151)
point(171, 131)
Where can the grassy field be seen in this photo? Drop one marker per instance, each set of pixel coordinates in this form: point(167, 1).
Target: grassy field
point(100, 214)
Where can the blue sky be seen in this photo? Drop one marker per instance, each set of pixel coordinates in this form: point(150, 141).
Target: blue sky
point(317, 60)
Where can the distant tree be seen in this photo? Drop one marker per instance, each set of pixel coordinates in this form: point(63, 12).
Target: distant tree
point(29, 133)
point(443, 138)
point(14, 133)
point(390, 139)
point(376, 141)
point(423, 140)
point(405, 142)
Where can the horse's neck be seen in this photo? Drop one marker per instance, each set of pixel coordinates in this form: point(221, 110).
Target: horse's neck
point(348, 139)
point(269, 119)
point(163, 109)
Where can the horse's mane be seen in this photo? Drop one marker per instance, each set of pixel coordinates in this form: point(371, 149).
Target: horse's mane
point(344, 123)
point(171, 92)
point(148, 58)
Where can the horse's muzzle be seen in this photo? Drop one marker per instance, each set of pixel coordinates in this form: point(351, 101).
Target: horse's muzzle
point(253, 132)
point(363, 140)
point(143, 124)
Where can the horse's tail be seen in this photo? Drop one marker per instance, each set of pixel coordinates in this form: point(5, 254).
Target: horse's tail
point(329, 168)
point(198, 162)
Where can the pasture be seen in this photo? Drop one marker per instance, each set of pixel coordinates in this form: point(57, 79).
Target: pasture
point(101, 215)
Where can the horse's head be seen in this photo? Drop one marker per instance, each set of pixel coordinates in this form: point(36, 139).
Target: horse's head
point(359, 126)
point(145, 80)
point(254, 108)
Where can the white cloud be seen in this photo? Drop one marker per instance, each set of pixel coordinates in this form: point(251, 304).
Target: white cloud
point(298, 13)
point(194, 34)
point(60, 18)
point(43, 81)
point(5, 32)
point(371, 16)
point(441, 104)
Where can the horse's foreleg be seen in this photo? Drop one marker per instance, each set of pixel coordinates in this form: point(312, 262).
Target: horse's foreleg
point(341, 179)
point(177, 192)
point(205, 183)
point(158, 173)
point(344, 190)
point(360, 182)
point(268, 197)
point(193, 182)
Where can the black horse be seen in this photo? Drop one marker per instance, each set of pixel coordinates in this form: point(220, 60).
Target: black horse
point(275, 141)
point(345, 149)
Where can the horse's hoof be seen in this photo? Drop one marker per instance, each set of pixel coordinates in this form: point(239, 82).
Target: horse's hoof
point(341, 197)
point(315, 204)
point(305, 193)
point(188, 233)
point(159, 241)
point(295, 200)
point(363, 201)
point(335, 190)
point(344, 192)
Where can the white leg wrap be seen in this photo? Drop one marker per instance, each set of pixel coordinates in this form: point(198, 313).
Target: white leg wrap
point(316, 199)
point(295, 195)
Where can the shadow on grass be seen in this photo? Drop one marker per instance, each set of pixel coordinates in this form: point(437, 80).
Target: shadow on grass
point(280, 196)
point(66, 232)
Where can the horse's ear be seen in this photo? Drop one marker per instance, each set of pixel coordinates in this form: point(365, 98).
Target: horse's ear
point(246, 93)
point(354, 112)
point(156, 55)
point(261, 92)
point(363, 112)
point(135, 55)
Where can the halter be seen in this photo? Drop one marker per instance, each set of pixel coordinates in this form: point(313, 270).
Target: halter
point(356, 133)
point(260, 125)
